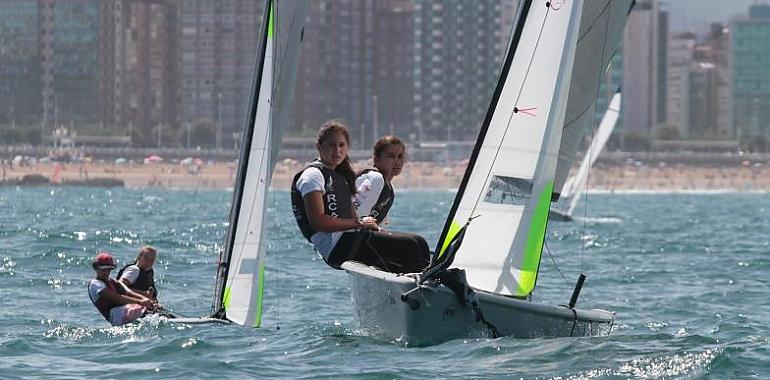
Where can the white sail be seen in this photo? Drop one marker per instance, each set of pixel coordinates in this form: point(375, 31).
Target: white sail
point(576, 184)
point(241, 294)
point(509, 182)
point(601, 28)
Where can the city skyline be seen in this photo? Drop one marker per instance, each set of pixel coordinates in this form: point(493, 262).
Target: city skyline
point(696, 15)
point(179, 71)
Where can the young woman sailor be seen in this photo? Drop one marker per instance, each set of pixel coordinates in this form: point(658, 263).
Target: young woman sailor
point(374, 191)
point(139, 275)
point(321, 198)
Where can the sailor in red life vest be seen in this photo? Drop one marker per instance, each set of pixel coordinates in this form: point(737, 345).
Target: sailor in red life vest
point(118, 304)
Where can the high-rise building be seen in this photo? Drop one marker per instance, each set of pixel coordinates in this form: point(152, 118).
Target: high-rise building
point(718, 47)
point(218, 45)
point(703, 101)
point(20, 70)
point(681, 50)
point(459, 48)
point(70, 59)
point(750, 70)
point(663, 37)
point(141, 82)
point(641, 60)
point(357, 67)
point(697, 86)
point(709, 87)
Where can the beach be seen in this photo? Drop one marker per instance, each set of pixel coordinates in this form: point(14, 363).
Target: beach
point(416, 175)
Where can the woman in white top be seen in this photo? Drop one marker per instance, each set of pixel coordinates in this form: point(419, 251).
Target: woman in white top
point(374, 192)
point(322, 204)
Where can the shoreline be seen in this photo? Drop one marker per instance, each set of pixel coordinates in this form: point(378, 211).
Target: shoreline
point(416, 175)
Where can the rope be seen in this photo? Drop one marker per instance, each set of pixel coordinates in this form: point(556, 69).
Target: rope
point(558, 268)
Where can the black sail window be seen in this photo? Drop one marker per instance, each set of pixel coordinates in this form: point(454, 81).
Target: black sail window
point(508, 191)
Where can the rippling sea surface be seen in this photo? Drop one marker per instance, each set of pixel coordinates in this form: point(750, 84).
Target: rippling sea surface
point(687, 274)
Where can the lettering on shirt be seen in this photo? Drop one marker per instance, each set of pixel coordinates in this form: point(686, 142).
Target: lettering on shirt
point(331, 201)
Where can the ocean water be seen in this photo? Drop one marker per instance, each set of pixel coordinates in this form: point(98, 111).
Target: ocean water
point(687, 275)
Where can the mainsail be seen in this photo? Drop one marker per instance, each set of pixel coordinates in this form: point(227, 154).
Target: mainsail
point(240, 278)
point(601, 28)
point(511, 178)
point(575, 184)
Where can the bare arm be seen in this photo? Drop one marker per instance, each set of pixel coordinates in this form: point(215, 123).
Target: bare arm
point(319, 221)
point(135, 293)
point(125, 299)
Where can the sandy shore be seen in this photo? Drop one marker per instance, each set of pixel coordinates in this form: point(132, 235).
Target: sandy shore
point(417, 175)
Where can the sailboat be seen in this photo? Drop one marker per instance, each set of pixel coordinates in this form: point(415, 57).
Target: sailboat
point(240, 277)
point(573, 188)
point(486, 264)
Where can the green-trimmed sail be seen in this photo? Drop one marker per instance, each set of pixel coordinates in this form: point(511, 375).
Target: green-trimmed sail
point(242, 277)
point(510, 181)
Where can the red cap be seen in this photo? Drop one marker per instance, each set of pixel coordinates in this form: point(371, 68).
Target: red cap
point(104, 261)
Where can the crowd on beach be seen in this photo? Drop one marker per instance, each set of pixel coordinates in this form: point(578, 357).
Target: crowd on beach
point(416, 174)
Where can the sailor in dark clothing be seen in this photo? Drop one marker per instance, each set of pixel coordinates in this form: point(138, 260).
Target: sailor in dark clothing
point(139, 275)
point(322, 205)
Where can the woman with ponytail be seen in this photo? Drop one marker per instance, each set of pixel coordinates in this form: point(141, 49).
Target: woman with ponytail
point(321, 197)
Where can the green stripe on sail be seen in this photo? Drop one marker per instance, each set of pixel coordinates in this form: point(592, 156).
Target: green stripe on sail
point(535, 239)
point(270, 24)
point(454, 228)
point(226, 298)
point(260, 290)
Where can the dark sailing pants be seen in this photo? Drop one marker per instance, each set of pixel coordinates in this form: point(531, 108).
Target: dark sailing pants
point(396, 252)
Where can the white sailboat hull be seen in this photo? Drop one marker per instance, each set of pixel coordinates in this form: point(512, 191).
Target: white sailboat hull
point(435, 315)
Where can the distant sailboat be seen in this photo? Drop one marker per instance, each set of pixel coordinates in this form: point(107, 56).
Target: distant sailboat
point(241, 274)
point(575, 185)
point(488, 257)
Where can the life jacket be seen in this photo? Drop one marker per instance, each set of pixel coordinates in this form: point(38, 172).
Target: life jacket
point(102, 304)
point(144, 282)
point(336, 198)
point(384, 201)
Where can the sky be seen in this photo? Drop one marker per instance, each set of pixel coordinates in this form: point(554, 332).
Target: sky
point(696, 14)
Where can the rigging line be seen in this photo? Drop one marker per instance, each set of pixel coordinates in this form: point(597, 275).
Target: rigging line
point(510, 118)
point(277, 79)
point(593, 131)
point(278, 265)
point(558, 268)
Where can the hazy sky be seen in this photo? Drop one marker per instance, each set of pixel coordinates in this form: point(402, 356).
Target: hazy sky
point(695, 14)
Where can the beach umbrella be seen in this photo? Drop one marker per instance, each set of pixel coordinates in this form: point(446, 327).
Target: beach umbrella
point(153, 159)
